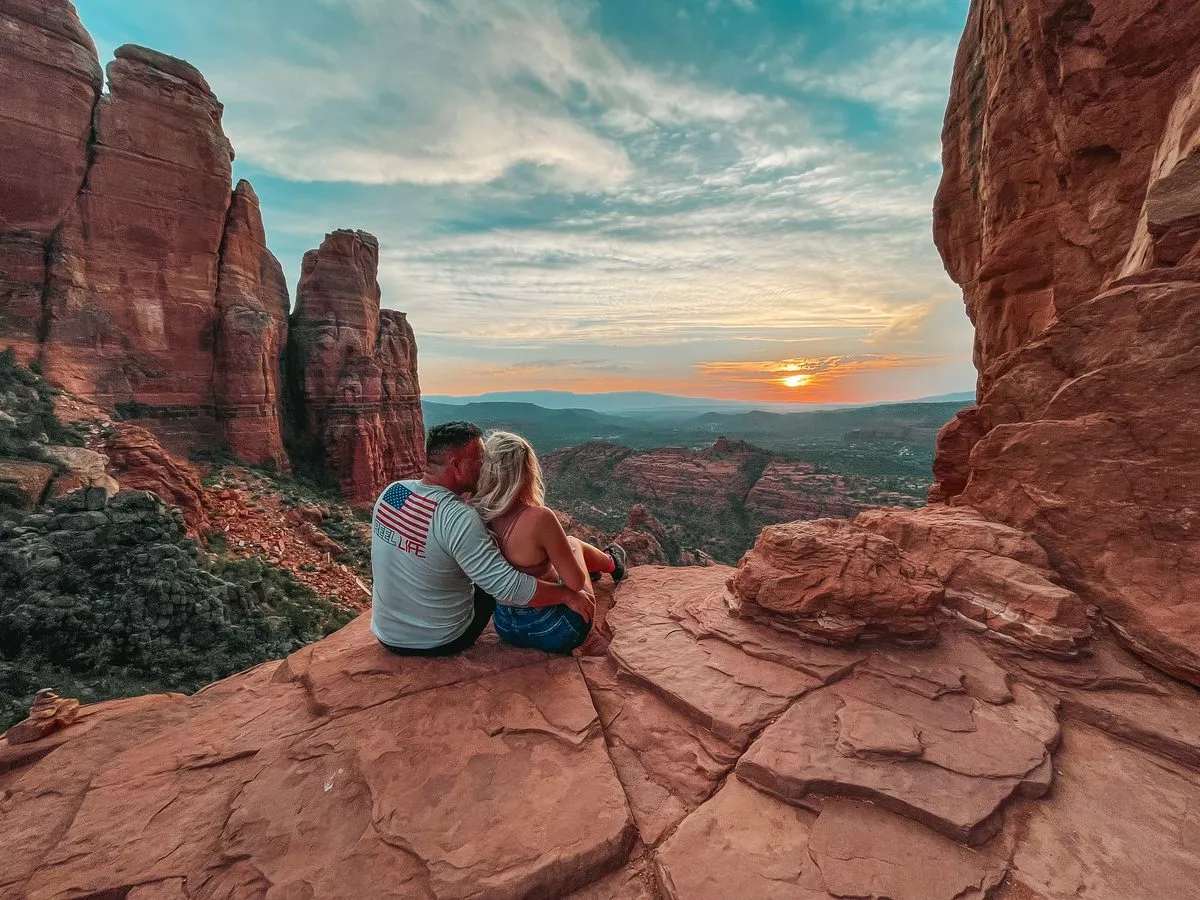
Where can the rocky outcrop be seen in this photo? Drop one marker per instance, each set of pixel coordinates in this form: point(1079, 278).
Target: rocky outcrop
point(141, 463)
point(833, 582)
point(251, 335)
point(702, 480)
point(133, 277)
point(1068, 213)
point(354, 370)
point(715, 498)
point(138, 281)
point(994, 576)
point(49, 713)
point(702, 756)
point(52, 80)
point(787, 491)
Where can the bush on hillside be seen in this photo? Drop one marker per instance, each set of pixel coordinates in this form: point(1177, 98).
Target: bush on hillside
point(27, 419)
point(111, 598)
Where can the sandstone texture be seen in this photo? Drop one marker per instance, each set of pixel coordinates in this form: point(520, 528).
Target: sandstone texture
point(787, 491)
point(23, 483)
point(141, 282)
point(1068, 213)
point(52, 80)
point(703, 756)
point(50, 713)
point(832, 581)
point(134, 276)
point(993, 575)
point(252, 322)
point(139, 462)
point(355, 370)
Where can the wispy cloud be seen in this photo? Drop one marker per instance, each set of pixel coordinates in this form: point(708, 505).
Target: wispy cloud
point(606, 193)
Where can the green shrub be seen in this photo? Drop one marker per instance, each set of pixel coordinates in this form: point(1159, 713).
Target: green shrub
point(27, 419)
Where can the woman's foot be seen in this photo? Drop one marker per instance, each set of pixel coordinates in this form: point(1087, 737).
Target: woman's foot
point(617, 554)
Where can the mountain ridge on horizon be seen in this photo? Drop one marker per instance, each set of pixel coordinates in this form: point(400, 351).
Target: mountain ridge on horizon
point(648, 401)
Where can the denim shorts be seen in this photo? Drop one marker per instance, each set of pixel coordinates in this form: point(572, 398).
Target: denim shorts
point(553, 629)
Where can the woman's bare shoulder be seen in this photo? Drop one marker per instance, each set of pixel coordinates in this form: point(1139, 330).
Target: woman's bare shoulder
point(544, 517)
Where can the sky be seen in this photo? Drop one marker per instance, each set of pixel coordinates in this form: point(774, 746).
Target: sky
point(714, 198)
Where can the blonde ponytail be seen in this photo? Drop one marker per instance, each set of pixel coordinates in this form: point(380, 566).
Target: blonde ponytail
point(511, 474)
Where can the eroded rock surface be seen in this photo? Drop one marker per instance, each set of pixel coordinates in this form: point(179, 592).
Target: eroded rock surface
point(878, 771)
point(355, 370)
point(993, 575)
point(252, 320)
point(1068, 213)
point(52, 79)
point(832, 581)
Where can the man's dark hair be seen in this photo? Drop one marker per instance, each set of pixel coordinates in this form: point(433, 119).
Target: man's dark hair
point(444, 439)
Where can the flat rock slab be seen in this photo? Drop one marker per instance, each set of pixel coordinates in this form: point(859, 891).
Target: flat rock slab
point(728, 692)
point(731, 694)
point(864, 851)
point(350, 670)
point(741, 843)
point(667, 762)
point(950, 762)
point(1118, 693)
point(709, 616)
point(241, 790)
point(1121, 824)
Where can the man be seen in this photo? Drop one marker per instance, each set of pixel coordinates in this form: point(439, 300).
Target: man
point(438, 574)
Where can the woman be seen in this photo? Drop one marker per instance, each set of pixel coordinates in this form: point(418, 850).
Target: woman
point(511, 500)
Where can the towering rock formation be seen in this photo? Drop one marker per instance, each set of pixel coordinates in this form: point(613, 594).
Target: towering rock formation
point(1070, 214)
point(51, 79)
point(252, 325)
point(138, 281)
point(134, 278)
point(353, 370)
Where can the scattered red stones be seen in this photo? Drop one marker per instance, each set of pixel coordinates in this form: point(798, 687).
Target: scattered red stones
point(255, 520)
point(50, 713)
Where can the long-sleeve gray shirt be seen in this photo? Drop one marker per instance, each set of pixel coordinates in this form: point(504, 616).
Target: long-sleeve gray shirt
point(428, 551)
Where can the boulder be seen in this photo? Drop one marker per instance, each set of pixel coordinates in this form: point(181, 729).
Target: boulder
point(84, 468)
point(354, 371)
point(994, 576)
point(23, 483)
point(835, 582)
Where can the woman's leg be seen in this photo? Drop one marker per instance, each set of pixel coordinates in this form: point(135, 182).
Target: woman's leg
point(594, 559)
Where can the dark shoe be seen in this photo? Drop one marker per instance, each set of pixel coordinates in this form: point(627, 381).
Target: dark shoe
point(620, 562)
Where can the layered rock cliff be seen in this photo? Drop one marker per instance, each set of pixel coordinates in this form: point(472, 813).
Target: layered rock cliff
point(354, 369)
point(137, 279)
point(1069, 213)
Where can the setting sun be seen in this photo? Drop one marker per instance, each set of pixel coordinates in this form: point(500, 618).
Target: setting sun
point(795, 381)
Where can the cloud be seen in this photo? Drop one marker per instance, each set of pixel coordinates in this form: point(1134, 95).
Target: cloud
point(903, 76)
point(460, 92)
point(606, 192)
point(812, 379)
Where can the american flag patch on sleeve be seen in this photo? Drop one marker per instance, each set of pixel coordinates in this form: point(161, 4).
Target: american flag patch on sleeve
point(402, 518)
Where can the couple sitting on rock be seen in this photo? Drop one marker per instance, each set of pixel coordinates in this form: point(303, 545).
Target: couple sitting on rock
point(472, 540)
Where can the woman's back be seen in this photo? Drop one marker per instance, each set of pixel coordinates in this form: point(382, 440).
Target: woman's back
point(519, 539)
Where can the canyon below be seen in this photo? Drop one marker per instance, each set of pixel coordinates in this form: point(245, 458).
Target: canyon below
point(987, 692)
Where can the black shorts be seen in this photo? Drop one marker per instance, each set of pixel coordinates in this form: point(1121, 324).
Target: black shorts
point(485, 605)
